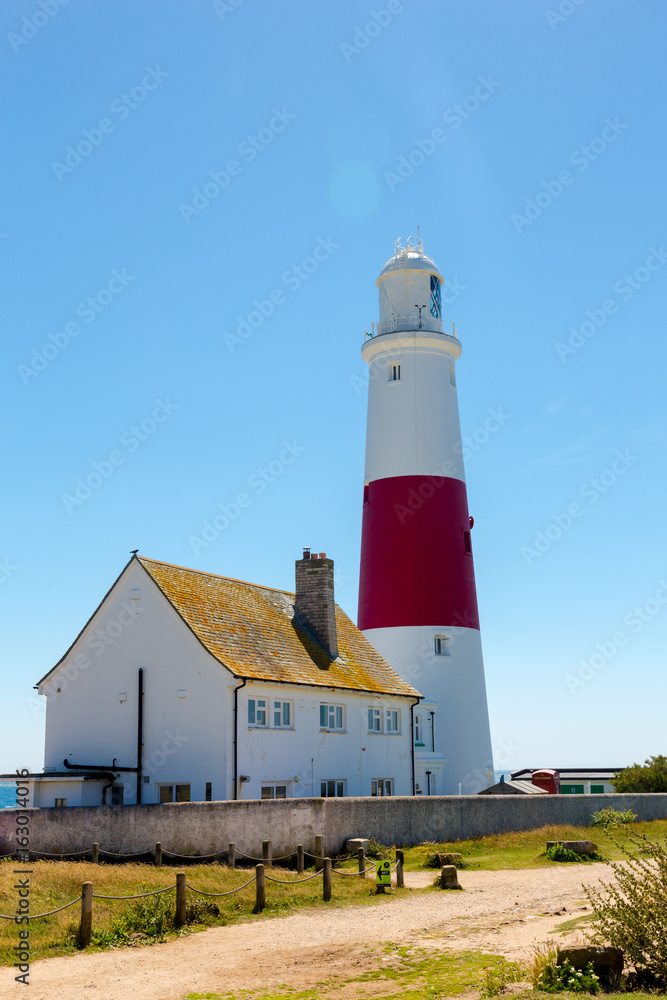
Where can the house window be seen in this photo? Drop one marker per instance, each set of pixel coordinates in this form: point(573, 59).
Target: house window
point(467, 543)
point(419, 730)
point(441, 645)
point(275, 791)
point(331, 718)
point(332, 789)
point(173, 793)
point(395, 373)
point(257, 711)
point(209, 791)
point(282, 714)
point(435, 297)
point(382, 786)
point(374, 720)
point(60, 803)
point(392, 720)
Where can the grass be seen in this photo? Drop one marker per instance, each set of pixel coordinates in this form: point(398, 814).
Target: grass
point(525, 848)
point(53, 883)
point(405, 973)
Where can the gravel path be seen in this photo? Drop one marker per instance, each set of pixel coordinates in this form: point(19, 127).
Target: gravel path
point(501, 912)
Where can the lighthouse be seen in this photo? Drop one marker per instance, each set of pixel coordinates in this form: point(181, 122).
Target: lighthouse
point(417, 597)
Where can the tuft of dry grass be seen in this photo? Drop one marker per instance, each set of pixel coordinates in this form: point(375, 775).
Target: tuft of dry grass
point(53, 883)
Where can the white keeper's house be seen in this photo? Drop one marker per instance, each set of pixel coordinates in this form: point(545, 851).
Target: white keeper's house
point(187, 686)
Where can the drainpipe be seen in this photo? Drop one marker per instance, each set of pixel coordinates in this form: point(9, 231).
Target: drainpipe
point(412, 747)
point(432, 714)
point(236, 735)
point(140, 731)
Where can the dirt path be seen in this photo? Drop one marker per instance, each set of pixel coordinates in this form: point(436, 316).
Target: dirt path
point(500, 912)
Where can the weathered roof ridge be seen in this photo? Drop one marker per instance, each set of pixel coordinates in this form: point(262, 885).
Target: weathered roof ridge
point(218, 576)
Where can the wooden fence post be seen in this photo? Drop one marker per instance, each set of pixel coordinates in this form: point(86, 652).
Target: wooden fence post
point(319, 853)
point(260, 889)
point(86, 923)
point(266, 852)
point(326, 880)
point(231, 856)
point(400, 881)
point(362, 862)
point(299, 859)
point(180, 899)
point(96, 854)
point(158, 855)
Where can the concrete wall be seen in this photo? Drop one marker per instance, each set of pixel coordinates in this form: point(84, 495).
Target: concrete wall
point(205, 827)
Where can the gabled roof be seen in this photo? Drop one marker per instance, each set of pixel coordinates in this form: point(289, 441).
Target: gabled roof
point(252, 631)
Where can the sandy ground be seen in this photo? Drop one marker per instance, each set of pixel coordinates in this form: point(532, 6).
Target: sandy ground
point(503, 913)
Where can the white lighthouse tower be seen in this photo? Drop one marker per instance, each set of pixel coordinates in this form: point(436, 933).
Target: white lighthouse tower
point(417, 598)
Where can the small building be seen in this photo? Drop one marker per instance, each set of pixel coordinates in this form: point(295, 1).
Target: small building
point(510, 787)
point(577, 780)
point(188, 686)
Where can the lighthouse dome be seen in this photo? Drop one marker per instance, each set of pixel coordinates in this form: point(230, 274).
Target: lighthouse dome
point(410, 290)
point(409, 254)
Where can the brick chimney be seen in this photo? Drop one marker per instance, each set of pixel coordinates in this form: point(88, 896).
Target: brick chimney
point(314, 605)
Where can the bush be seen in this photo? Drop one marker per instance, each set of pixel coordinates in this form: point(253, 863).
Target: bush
point(374, 849)
point(651, 776)
point(610, 817)
point(631, 913)
point(557, 978)
point(560, 853)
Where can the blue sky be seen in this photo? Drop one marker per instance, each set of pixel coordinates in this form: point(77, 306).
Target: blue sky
point(163, 335)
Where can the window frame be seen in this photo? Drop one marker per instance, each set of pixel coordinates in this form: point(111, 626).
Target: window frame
point(441, 643)
point(255, 710)
point(329, 707)
point(374, 715)
point(389, 728)
point(340, 788)
point(174, 786)
point(382, 787)
point(274, 786)
point(284, 703)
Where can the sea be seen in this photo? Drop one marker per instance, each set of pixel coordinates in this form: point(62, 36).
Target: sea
point(7, 795)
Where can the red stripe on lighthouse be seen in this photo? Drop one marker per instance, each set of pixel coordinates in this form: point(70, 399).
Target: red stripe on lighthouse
point(416, 563)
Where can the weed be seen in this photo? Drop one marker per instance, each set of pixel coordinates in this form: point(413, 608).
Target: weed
point(559, 978)
point(611, 818)
point(497, 977)
point(560, 853)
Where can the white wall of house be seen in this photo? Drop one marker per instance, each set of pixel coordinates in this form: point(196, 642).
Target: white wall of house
point(305, 754)
point(188, 731)
point(92, 719)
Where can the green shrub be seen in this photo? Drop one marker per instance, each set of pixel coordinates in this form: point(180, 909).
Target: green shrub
point(559, 978)
point(609, 817)
point(631, 913)
point(560, 853)
point(651, 776)
point(374, 849)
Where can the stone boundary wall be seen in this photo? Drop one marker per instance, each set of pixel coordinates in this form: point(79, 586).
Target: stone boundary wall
point(206, 827)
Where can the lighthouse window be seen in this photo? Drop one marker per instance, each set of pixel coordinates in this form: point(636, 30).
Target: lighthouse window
point(441, 645)
point(452, 377)
point(467, 543)
point(435, 297)
point(394, 373)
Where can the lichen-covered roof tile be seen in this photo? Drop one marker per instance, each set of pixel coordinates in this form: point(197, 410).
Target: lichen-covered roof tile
point(252, 631)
